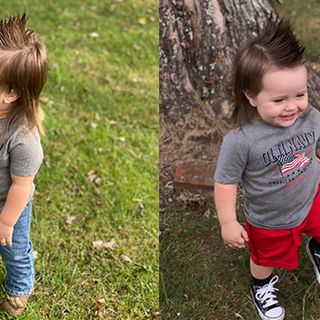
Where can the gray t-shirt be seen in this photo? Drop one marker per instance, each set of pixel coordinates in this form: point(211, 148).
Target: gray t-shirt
point(20, 154)
point(277, 167)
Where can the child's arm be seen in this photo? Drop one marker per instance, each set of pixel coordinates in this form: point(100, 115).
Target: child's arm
point(318, 153)
point(17, 198)
point(232, 231)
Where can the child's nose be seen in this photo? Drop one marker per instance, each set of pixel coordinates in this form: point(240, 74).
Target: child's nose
point(290, 105)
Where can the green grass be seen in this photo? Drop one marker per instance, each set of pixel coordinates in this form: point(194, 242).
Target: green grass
point(203, 279)
point(304, 17)
point(101, 160)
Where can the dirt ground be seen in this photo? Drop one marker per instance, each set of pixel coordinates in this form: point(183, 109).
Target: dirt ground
point(195, 137)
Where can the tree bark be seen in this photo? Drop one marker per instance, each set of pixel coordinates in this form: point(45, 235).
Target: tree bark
point(198, 40)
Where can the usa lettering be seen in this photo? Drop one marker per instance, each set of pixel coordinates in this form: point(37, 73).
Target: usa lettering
point(283, 149)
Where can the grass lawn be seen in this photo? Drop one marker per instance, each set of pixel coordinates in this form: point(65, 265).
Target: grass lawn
point(201, 279)
point(95, 224)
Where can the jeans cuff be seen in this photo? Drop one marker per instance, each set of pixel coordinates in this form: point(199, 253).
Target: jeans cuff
point(13, 293)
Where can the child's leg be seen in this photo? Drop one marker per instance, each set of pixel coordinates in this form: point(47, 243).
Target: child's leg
point(19, 259)
point(264, 294)
point(264, 251)
point(260, 272)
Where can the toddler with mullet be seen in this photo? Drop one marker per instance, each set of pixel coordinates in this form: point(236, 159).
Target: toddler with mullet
point(272, 152)
point(23, 72)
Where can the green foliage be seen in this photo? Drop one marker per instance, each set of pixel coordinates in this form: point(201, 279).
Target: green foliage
point(99, 177)
point(304, 16)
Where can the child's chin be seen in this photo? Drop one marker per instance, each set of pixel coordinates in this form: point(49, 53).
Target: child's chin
point(287, 124)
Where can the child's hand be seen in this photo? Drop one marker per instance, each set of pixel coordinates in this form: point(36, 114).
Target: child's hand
point(6, 232)
point(234, 235)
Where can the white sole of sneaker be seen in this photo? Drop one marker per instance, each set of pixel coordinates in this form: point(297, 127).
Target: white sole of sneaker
point(262, 316)
point(313, 263)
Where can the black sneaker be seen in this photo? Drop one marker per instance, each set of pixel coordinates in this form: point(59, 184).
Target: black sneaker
point(266, 301)
point(314, 257)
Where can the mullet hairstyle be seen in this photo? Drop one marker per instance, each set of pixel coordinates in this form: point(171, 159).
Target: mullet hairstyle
point(23, 70)
point(276, 46)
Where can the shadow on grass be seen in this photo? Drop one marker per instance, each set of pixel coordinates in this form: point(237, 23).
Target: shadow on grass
point(202, 279)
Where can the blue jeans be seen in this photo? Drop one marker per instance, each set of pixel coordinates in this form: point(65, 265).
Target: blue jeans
point(19, 259)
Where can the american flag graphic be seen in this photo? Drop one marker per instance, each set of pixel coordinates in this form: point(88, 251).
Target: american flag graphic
point(292, 160)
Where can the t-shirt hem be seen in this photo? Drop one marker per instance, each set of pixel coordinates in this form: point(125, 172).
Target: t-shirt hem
point(270, 227)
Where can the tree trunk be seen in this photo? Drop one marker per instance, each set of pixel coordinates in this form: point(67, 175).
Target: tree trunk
point(198, 40)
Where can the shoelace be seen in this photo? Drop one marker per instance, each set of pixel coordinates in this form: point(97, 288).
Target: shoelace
point(317, 255)
point(266, 294)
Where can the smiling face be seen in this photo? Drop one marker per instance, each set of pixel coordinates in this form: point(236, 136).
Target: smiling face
point(283, 97)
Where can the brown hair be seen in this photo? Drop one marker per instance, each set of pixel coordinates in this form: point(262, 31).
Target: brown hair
point(275, 46)
point(23, 69)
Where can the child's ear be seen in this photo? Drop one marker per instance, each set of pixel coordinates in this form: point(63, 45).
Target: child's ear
point(250, 97)
point(10, 97)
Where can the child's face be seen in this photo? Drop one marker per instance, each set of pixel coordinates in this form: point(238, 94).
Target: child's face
point(283, 97)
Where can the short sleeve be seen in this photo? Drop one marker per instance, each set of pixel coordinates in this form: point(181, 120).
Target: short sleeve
point(232, 159)
point(26, 154)
point(315, 115)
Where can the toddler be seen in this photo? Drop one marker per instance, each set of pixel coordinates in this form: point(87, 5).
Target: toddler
point(272, 152)
point(23, 71)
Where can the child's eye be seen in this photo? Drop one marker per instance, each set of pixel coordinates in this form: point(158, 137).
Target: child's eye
point(301, 95)
point(278, 100)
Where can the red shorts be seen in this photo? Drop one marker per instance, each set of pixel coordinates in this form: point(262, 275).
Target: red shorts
point(280, 247)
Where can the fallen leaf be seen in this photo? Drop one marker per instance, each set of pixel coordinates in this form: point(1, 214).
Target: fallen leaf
point(136, 80)
point(94, 35)
point(140, 207)
point(142, 21)
point(99, 303)
point(100, 245)
point(111, 244)
point(97, 180)
point(126, 258)
point(121, 139)
point(93, 125)
point(91, 176)
point(70, 219)
point(44, 99)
